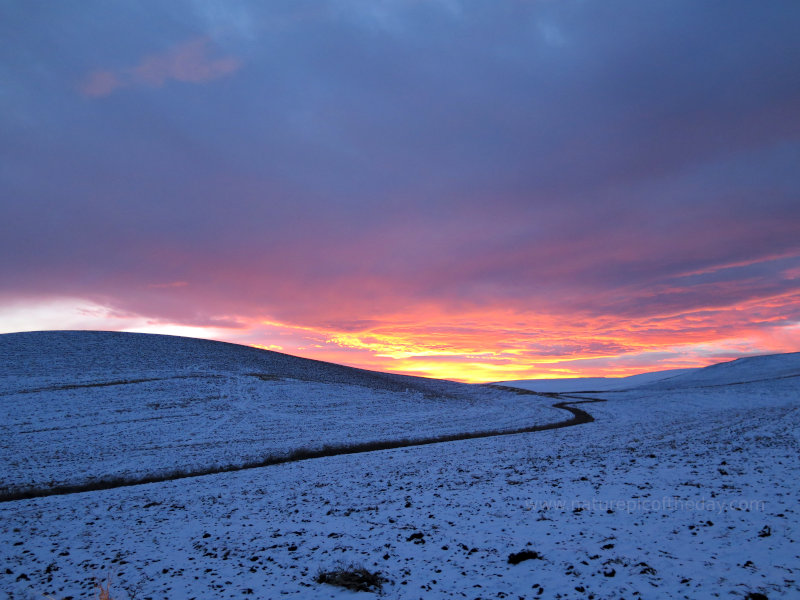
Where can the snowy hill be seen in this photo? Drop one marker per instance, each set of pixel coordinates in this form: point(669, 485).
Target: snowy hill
point(753, 369)
point(81, 407)
point(596, 384)
point(48, 358)
point(739, 371)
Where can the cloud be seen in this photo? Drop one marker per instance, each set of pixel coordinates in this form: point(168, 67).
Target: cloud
point(226, 18)
point(407, 187)
point(189, 62)
point(101, 82)
point(170, 284)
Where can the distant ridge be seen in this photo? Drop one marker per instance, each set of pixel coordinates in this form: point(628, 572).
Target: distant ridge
point(595, 384)
point(748, 369)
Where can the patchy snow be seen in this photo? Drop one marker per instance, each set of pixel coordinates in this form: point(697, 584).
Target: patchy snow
point(680, 493)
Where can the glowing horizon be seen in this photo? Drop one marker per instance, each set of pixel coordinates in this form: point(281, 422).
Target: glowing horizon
point(477, 347)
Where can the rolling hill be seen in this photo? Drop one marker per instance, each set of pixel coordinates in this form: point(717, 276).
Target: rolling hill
point(83, 407)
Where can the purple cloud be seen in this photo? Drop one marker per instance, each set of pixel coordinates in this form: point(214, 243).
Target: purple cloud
point(188, 62)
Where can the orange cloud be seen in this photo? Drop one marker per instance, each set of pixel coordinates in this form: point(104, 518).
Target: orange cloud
point(500, 344)
point(188, 62)
point(487, 344)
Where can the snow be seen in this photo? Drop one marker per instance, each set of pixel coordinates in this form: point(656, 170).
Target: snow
point(95, 406)
point(595, 384)
point(743, 370)
point(683, 492)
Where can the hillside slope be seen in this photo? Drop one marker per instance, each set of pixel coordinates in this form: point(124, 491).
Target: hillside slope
point(742, 370)
point(81, 407)
point(752, 369)
point(51, 358)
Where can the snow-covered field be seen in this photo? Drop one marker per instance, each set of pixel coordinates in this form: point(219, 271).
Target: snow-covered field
point(87, 406)
point(686, 491)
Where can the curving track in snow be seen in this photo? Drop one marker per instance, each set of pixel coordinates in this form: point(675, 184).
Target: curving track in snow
point(579, 417)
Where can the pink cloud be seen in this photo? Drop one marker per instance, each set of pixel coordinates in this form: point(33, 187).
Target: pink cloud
point(188, 62)
point(793, 273)
point(101, 82)
point(171, 284)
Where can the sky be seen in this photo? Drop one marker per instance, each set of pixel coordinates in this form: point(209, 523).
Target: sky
point(472, 190)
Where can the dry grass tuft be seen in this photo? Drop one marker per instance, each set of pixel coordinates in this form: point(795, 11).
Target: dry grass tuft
point(352, 577)
point(104, 593)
